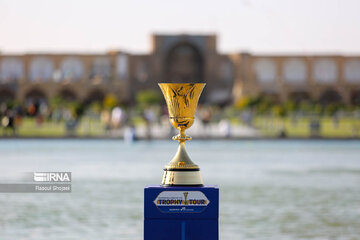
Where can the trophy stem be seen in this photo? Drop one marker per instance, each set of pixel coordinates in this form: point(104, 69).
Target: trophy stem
point(181, 137)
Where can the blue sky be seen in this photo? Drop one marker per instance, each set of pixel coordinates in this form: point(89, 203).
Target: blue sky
point(259, 26)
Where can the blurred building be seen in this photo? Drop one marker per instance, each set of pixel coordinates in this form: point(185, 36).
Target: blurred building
point(180, 58)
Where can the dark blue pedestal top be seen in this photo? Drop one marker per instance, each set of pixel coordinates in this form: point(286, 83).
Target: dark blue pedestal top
point(181, 213)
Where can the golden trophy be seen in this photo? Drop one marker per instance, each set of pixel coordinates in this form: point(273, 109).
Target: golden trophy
point(181, 100)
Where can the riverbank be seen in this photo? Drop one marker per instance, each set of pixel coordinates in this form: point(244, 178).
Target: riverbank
point(194, 139)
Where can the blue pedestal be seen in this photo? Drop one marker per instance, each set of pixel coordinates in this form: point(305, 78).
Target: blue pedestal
point(181, 213)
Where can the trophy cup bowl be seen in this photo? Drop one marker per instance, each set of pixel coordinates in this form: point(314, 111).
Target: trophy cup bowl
point(181, 100)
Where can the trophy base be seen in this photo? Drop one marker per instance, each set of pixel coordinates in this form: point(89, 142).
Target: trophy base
point(179, 177)
point(183, 220)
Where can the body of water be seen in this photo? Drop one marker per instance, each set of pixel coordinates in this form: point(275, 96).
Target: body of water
point(269, 189)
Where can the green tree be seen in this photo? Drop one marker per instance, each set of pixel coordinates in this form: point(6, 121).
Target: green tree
point(242, 103)
point(278, 110)
point(56, 102)
point(262, 104)
point(290, 106)
point(78, 109)
point(110, 101)
point(148, 97)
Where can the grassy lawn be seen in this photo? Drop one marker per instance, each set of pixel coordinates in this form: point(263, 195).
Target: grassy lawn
point(346, 127)
point(29, 127)
point(87, 127)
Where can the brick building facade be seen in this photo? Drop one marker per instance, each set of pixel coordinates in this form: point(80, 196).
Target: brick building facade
point(180, 58)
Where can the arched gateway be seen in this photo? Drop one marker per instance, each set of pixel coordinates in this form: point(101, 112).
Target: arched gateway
point(330, 96)
point(6, 95)
point(67, 95)
point(184, 63)
point(95, 95)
